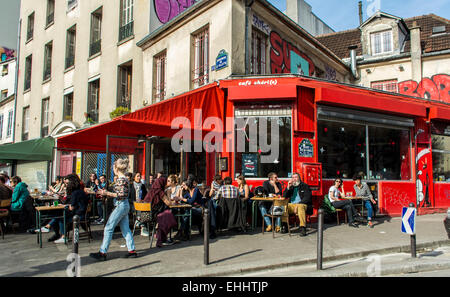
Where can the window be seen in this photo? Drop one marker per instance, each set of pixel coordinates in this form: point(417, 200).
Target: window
point(30, 28)
point(160, 74)
point(28, 66)
point(252, 151)
point(93, 100)
point(96, 32)
point(50, 12)
point(1, 126)
point(25, 123)
point(376, 153)
point(71, 4)
point(381, 42)
point(5, 70)
point(125, 79)
point(126, 19)
point(4, 95)
point(441, 157)
point(44, 117)
point(386, 85)
point(70, 47)
point(201, 56)
point(48, 61)
point(68, 107)
point(259, 44)
point(10, 124)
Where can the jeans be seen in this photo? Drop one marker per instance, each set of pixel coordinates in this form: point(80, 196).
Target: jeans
point(348, 206)
point(100, 209)
point(368, 206)
point(263, 210)
point(119, 216)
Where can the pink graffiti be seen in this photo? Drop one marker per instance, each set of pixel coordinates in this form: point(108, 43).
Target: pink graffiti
point(436, 88)
point(168, 9)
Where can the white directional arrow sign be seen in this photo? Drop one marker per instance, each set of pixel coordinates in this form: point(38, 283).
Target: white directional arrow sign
point(408, 220)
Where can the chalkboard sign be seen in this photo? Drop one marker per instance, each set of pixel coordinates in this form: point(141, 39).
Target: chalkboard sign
point(249, 164)
point(306, 149)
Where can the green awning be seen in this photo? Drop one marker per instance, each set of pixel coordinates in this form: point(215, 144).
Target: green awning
point(32, 150)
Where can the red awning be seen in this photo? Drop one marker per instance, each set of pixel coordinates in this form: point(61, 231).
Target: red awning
point(440, 113)
point(154, 120)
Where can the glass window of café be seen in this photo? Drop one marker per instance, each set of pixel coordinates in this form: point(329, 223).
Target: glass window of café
point(348, 146)
point(256, 153)
point(440, 143)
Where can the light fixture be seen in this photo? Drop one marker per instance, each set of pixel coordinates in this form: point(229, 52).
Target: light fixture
point(401, 68)
point(368, 71)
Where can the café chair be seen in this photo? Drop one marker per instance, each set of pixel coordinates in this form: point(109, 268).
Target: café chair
point(330, 209)
point(4, 213)
point(147, 208)
point(85, 224)
point(284, 216)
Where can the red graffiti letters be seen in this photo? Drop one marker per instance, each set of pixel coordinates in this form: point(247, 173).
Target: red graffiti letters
point(280, 55)
point(436, 88)
point(168, 9)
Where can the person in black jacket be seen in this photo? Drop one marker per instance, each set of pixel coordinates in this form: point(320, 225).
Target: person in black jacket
point(271, 187)
point(300, 197)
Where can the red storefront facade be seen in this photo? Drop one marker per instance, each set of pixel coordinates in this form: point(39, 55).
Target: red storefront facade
point(326, 130)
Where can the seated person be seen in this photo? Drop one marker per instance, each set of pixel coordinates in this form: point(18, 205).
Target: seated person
point(243, 188)
point(5, 191)
point(362, 190)
point(193, 197)
point(19, 195)
point(300, 197)
point(334, 195)
point(271, 186)
point(228, 191)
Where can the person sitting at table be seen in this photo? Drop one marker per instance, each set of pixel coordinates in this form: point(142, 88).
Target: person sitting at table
point(5, 192)
point(334, 195)
point(362, 191)
point(215, 186)
point(78, 202)
point(228, 191)
point(300, 196)
point(173, 190)
point(90, 184)
point(271, 187)
point(100, 184)
point(193, 197)
point(119, 216)
point(160, 213)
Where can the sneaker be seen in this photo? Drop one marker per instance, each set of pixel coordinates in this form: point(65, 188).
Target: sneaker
point(45, 230)
point(144, 232)
point(302, 231)
point(98, 256)
point(131, 254)
point(353, 225)
point(269, 228)
point(370, 224)
point(61, 240)
point(168, 242)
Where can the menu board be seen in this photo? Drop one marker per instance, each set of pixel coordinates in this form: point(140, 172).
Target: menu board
point(306, 149)
point(250, 165)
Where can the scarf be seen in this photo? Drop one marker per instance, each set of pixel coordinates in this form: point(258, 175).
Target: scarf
point(156, 192)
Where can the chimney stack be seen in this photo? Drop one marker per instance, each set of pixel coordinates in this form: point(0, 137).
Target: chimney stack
point(360, 13)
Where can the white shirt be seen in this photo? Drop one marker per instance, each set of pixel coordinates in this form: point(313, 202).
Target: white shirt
point(336, 193)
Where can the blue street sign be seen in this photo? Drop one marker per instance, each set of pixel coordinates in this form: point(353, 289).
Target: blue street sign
point(408, 220)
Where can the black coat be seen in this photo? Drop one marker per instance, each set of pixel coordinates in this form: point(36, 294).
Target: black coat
point(304, 191)
point(133, 192)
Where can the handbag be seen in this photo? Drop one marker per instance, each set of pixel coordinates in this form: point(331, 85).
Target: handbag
point(145, 216)
point(276, 210)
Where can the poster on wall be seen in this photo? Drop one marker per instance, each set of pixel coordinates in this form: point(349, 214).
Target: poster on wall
point(306, 149)
point(249, 165)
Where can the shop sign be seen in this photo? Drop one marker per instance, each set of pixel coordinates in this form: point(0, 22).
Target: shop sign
point(259, 82)
point(221, 61)
point(306, 149)
point(249, 164)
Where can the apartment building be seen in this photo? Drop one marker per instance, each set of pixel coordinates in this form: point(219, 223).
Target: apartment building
point(7, 85)
point(78, 62)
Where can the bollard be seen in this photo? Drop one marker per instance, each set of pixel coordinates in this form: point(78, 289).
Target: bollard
point(76, 237)
point(206, 236)
point(413, 240)
point(320, 239)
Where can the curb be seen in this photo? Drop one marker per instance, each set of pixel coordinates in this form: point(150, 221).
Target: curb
point(223, 271)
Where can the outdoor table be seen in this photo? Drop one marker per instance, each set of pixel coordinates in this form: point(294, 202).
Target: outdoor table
point(255, 206)
point(355, 198)
point(187, 213)
point(40, 216)
point(37, 199)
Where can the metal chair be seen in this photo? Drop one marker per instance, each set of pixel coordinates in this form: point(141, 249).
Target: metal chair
point(329, 208)
point(144, 207)
point(284, 216)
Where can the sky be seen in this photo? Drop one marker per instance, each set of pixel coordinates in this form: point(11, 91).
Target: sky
point(9, 21)
point(343, 14)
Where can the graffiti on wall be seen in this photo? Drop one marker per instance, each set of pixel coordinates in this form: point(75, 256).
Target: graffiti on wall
point(6, 54)
point(423, 178)
point(166, 10)
point(281, 53)
point(437, 88)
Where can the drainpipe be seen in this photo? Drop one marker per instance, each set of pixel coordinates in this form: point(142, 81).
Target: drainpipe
point(16, 80)
point(353, 61)
point(247, 12)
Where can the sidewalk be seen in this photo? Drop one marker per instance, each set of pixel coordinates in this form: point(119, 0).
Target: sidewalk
point(231, 253)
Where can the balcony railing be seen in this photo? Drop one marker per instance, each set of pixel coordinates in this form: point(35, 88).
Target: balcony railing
point(126, 31)
point(95, 47)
